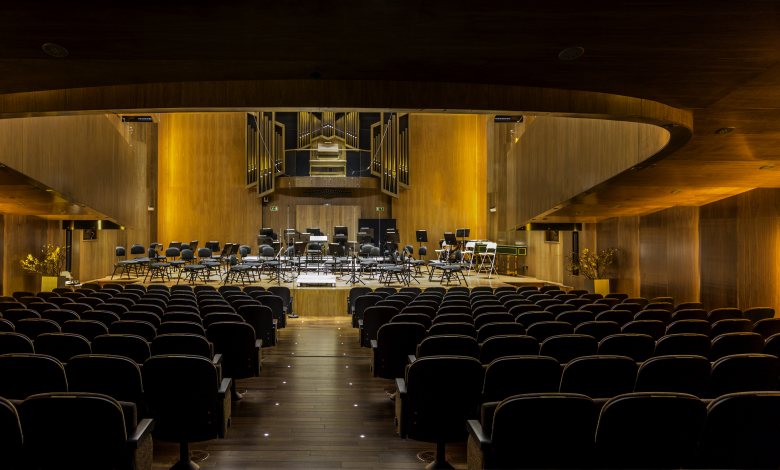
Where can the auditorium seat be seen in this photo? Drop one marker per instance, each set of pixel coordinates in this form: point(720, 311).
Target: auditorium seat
point(131, 346)
point(15, 314)
point(564, 348)
point(723, 313)
point(12, 342)
point(687, 306)
point(32, 327)
point(578, 302)
point(683, 343)
point(538, 430)
point(545, 329)
point(654, 328)
point(134, 327)
point(631, 307)
point(662, 315)
point(743, 373)
point(729, 325)
point(11, 439)
point(212, 318)
point(373, 318)
point(514, 375)
point(261, 318)
point(436, 397)
point(689, 314)
point(179, 315)
point(755, 314)
point(597, 307)
point(182, 343)
point(636, 346)
point(485, 318)
point(394, 343)
point(83, 430)
point(103, 316)
point(559, 308)
point(649, 430)
point(60, 316)
point(621, 317)
point(23, 375)
point(6, 326)
point(518, 310)
point(741, 431)
point(453, 318)
point(189, 327)
point(116, 376)
point(575, 317)
point(451, 308)
point(636, 300)
point(767, 327)
point(599, 329)
point(448, 345)
point(240, 349)
point(499, 328)
point(148, 317)
point(674, 373)
point(507, 345)
point(735, 343)
point(453, 328)
point(599, 376)
point(62, 346)
point(701, 327)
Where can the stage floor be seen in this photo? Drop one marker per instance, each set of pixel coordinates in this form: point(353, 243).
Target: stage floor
point(327, 301)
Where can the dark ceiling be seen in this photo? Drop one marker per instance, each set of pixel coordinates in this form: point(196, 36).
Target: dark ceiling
point(716, 58)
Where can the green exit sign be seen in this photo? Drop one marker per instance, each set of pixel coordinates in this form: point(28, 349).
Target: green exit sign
point(274, 208)
point(380, 209)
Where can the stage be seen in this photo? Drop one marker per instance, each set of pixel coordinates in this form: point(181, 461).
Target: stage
point(331, 301)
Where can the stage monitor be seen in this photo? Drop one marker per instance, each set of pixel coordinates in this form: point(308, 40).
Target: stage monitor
point(450, 239)
point(463, 232)
point(421, 236)
point(340, 230)
point(266, 231)
point(314, 231)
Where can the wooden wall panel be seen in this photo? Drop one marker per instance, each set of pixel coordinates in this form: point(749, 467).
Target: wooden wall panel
point(327, 217)
point(719, 253)
point(448, 177)
point(23, 235)
point(758, 235)
point(669, 254)
point(202, 195)
point(545, 259)
point(552, 159)
point(287, 201)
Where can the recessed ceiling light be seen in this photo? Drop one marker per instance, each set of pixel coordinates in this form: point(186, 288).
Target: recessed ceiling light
point(724, 130)
point(55, 50)
point(571, 53)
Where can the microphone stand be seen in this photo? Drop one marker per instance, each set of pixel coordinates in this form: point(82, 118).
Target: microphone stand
point(353, 277)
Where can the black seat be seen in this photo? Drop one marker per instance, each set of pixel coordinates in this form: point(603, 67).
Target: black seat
point(116, 376)
point(11, 442)
point(683, 343)
point(261, 318)
point(448, 345)
point(394, 343)
point(649, 430)
point(239, 347)
point(373, 318)
point(131, 346)
point(654, 328)
point(507, 345)
point(62, 346)
point(718, 314)
point(735, 343)
point(188, 327)
point(499, 328)
point(637, 347)
point(741, 431)
point(599, 376)
point(743, 373)
point(531, 431)
point(27, 374)
point(729, 325)
point(599, 329)
point(134, 327)
point(83, 430)
point(200, 414)
point(12, 342)
point(32, 327)
point(659, 314)
point(767, 327)
point(755, 314)
point(436, 398)
point(182, 343)
point(701, 327)
point(544, 330)
point(567, 347)
point(575, 317)
point(679, 373)
point(621, 317)
point(60, 316)
point(454, 328)
point(513, 375)
point(86, 328)
point(689, 314)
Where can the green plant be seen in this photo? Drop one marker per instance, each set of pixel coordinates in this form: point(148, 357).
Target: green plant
point(593, 265)
point(49, 262)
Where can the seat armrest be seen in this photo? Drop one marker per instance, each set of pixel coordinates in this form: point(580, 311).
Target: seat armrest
point(400, 385)
point(258, 365)
point(217, 359)
point(223, 405)
point(144, 428)
point(477, 432)
point(411, 358)
point(258, 343)
point(401, 407)
point(486, 414)
point(224, 386)
point(360, 324)
point(374, 344)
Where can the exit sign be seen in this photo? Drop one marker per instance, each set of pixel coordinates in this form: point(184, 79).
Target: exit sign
point(274, 208)
point(380, 209)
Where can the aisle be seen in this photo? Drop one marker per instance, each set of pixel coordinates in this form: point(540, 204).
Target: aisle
point(315, 406)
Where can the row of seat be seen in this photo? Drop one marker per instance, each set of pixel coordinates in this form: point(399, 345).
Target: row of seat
point(89, 430)
point(636, 430)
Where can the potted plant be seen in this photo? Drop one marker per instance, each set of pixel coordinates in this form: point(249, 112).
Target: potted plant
point(49, 263)
point(594, 265)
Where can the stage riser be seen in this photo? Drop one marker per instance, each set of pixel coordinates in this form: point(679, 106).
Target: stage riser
point(320, 302)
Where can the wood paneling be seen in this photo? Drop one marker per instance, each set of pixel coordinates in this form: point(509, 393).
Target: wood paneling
point(309, 302)
point(719, 253)
point(758, 235)
point(23, 235)
point(669, 254)
point(546, 260)
point(327, 217)
point(448, 178)
point(554, 159)
point(202, 194)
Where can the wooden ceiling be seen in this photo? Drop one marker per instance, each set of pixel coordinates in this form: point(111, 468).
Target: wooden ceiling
point(718, 59)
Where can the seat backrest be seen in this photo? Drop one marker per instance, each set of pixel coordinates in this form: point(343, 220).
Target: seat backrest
point(32, 327)
point(729, 325)
point(596, 307)
point(448, 344)
point(452, 318)
point(545, 423)
point(514, 375)
point(442, 393)
point(236, 342)
point(12, 342)
point(636, 346)
point(499, 328)
point(658, 429)
point(741, 431)
point(507, 345)
point(420, 318)
point(683, 343)
point(599, 329)
point(599, 376)
point(181, 343)
point(755, 314)
point(116, 376)
point(689, 314)
point(767, 327)
point(189, 327)
point(743, 373)
point(131, 346)
point(10, 435)
point(723, 313)
point(261, 318)
point(545, 329)
point(134, 327)
point(27, 374)
point(191, 416)
point(621, 317)
point(568, 346)
point(659, 314)
point(63, 346)
point(654, 328)
point(574, 317)
point(486, 318)
point(735, 343)
point(453, 328)
point(674, 373)
point(103, 316)
point(395, 342)
point(74, 430)
point(701, 327)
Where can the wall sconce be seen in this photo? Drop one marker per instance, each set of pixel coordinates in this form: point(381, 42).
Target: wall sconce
point(493, 209)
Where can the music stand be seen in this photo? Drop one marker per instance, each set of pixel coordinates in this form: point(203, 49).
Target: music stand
point(340, 230)
point(463, 233)
point(314, 231)
point(421, 236)
point(391, 241)
point(363, 238)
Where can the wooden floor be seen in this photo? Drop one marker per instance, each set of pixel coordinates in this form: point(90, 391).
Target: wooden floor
point(315, 406)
